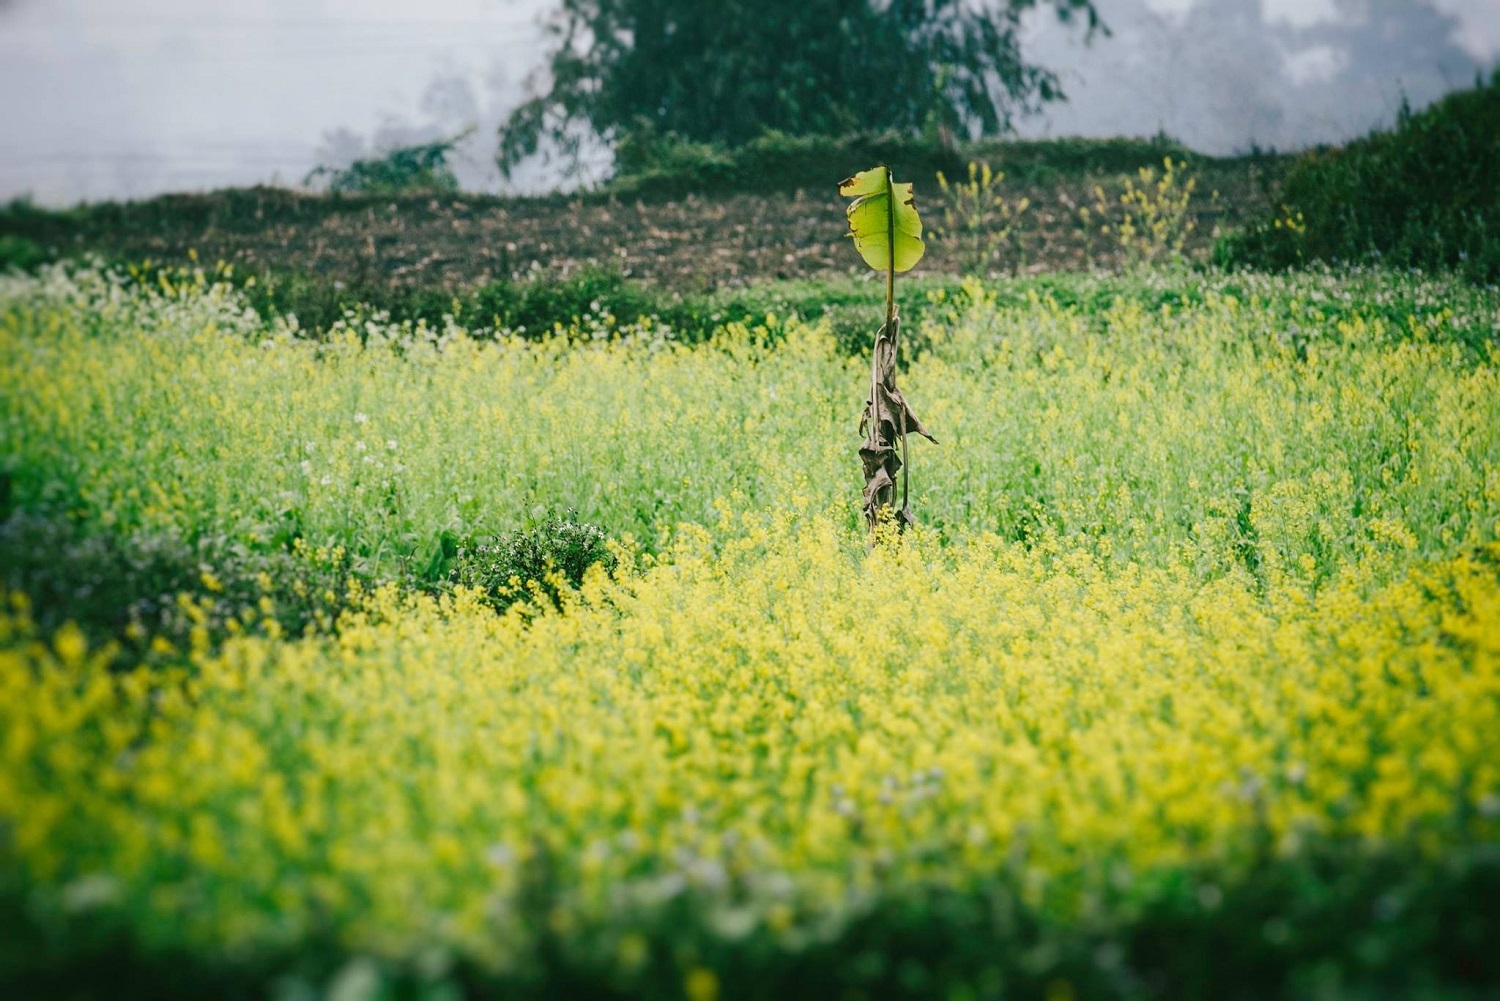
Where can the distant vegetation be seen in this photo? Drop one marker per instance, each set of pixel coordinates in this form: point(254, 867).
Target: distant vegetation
point(1425, 194)
point(420, 167)
point(306, 256)
point(650, 165)
point(643, 245)
point(394, 236)
point(726, 72)
point(589, 304)
point(20, 253)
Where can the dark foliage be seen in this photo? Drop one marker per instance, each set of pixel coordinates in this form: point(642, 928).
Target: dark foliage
point(536, 308)
point(653, 165)
point(126, 589)
point(21, 254)
point(1340, 921)
point(523, 565)
point(726, 72)
point(1425, 194)
point(423, 167)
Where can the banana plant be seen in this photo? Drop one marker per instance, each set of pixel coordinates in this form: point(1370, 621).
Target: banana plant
point(887, 232)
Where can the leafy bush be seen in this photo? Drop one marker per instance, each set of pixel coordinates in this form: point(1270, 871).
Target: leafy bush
point(320, 301)
point(157, 594)
point(20, 253)
point(423, 167)
point(533, 562)
point(530, 308)
point(1425, 194)
point(533, 307)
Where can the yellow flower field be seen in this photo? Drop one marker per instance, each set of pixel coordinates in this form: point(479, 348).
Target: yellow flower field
point(1196, 614)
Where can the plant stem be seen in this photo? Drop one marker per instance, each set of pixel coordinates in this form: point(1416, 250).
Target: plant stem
point(890, 268)
point(890, 309)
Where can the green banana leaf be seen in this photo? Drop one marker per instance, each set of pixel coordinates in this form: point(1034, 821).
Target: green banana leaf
point(883, 213)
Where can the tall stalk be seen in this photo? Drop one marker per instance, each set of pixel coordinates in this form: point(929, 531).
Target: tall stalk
point(887, 231)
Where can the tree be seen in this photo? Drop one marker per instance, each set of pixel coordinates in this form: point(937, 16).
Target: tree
point(727, 70)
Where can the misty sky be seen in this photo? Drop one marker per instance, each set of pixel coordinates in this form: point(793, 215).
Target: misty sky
point(127, 98)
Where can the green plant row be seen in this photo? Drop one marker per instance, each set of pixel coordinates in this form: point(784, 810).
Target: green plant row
point(595, 298)
point(651, 165)
point(596, 302)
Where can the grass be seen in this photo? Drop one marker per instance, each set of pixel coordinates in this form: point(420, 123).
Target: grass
point(1186, 686)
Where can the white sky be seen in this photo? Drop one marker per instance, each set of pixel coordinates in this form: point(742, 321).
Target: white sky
point(1222, 82)
point(1296, 11)
point(126, 98)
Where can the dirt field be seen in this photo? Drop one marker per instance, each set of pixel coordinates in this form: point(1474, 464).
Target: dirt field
point(692, 244)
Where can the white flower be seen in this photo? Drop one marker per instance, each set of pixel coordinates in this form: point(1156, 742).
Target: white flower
point(360, 417)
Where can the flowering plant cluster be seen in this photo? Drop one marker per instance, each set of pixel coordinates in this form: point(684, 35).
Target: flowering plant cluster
point(1199, 642)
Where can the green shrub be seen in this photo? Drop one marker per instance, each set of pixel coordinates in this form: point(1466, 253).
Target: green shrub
point(1425, 194)
point(533, 307)
point(533, 562)
point(320, 301)
point(20, 253)
point(528, 308)
point(123, 589)
point(422, 167)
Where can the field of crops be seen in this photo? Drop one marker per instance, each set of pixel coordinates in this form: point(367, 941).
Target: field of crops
point(1187, 684)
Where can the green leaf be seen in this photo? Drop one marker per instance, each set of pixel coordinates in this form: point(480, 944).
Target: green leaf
point(878, 203)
